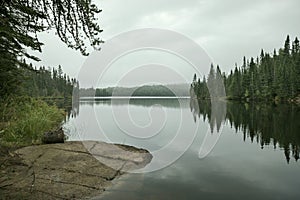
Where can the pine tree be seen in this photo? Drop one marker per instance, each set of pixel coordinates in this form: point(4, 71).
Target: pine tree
point(20, 23)
point(287, 46)
point(211, 81)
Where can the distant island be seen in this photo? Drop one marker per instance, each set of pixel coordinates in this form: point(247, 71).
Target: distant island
point(145, 90)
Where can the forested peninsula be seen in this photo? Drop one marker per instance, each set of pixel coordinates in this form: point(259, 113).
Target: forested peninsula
point(269, 77)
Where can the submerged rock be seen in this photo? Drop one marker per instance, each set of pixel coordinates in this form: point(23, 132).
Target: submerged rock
point(70, 170)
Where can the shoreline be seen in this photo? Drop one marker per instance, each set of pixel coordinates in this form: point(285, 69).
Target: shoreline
point(295, 101)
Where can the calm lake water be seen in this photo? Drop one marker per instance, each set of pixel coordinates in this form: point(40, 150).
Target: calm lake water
point(255, 156)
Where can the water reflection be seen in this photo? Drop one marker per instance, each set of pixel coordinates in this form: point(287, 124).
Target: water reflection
point(75, 108)
point(214, 111)
point(168, 103)
point(234, 169)
point(267, 124)
point(71, 107)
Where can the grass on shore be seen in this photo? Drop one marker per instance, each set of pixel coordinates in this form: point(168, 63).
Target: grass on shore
point(23, 120)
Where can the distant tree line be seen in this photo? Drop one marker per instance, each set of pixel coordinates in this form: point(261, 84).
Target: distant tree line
point(49, 82)
point(154, 90)
point(273, 76)
point(146, 90)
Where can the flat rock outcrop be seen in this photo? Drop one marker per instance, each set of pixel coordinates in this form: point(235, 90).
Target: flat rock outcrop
point(70, 170)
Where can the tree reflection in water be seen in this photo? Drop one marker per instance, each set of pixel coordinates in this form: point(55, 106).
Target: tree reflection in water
point(267, 124)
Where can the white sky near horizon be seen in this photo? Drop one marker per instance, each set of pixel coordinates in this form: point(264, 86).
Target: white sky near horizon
point(226, 29)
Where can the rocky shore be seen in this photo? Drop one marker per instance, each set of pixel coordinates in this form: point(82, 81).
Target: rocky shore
point(70, 170)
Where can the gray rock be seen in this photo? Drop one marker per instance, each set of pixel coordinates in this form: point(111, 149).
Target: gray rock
point(56, 136)
point(69, 170)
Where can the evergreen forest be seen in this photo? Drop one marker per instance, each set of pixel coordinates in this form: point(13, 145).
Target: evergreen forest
point(268, 77)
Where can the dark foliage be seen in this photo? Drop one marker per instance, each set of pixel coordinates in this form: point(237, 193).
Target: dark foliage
point(21, 21)
point(269, 77)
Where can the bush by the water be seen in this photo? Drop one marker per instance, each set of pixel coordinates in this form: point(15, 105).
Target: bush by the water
point(24, 120)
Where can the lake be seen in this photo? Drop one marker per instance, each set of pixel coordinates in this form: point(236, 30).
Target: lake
point(206, 150)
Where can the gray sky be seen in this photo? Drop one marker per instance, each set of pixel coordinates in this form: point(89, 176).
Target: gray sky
point(226, 29)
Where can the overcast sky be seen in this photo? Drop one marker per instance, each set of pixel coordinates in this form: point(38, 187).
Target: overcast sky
point(226, 29)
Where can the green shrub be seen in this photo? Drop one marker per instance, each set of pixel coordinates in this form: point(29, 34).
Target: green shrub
point(24, 120)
